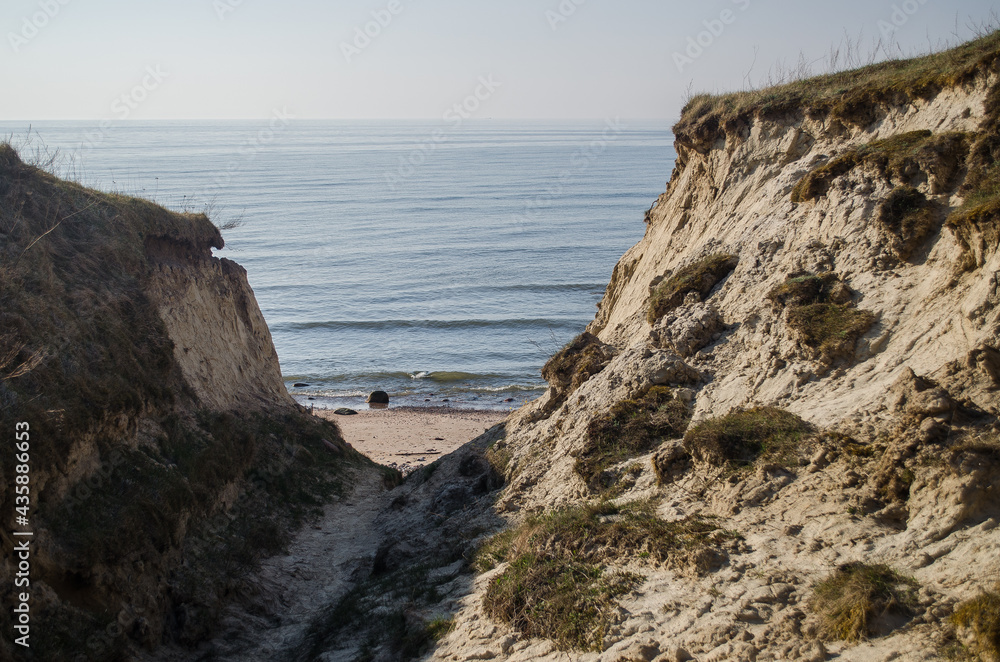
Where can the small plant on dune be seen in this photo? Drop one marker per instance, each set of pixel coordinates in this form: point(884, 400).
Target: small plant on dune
point(701, 277)
point(746, 435)
point(831, 330)
point(819, 309)
point(581, 358)
point(852, 602)
point(632, 427)
point(569, 602)
point(908, 215)
point(980, 616)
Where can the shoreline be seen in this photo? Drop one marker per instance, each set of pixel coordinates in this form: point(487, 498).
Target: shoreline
point(409, 437)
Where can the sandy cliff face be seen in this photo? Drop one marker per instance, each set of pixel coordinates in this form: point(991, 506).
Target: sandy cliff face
point(221, 341)
point(920, 377)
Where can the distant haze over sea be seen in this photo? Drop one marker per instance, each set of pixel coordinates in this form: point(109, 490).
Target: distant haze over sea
point(433, 261)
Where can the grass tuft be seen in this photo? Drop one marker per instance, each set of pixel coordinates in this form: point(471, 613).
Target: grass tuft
point(905, 158)
point(910, 217)
point(582, 358)
point(557, 585)
point(701, 277)
point(631, 428)
point(820, 311)
point(746, 435)
point(569, 602)
point(852, 602)
point(981, 615)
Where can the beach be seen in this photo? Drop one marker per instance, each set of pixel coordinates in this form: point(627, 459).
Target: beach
point(410, 437)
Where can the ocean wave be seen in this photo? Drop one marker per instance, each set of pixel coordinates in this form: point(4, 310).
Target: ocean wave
point(433, 325)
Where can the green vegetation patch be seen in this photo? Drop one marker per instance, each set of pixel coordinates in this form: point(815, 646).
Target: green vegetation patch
point(574, 364)
point(632, 427)
point(819, 309)
point(569, 602)
point(701, 277)
point(746, 435)
point(981, 617)
point(853, 97)
point(557, 584)
point(909, 216)
point(852, 602)
point(831, 330)
point(809, 289)
point(603, 532)
point(905, 158)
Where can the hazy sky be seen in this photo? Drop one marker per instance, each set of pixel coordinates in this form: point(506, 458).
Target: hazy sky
point(178, 59)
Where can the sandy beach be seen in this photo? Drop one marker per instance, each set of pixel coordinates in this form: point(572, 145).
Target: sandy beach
point(411, 437)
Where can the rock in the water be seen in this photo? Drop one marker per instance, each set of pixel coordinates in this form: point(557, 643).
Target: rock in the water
point(378, 398)
point(344, 411)
point(300, 385)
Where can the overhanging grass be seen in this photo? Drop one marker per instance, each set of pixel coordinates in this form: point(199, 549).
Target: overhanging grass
point(905, 158)
point(602, 532)
point(701, 277)
point(746, 435)
point(853, 599)
point(581, 358)
point(830, 329)
point(853, 97)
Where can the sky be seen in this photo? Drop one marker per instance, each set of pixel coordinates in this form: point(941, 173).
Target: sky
point(121, 60)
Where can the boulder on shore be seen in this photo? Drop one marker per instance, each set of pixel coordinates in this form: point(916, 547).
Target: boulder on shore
point(378, 398)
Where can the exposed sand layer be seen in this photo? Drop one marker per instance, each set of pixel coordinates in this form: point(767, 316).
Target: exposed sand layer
point(411, 437)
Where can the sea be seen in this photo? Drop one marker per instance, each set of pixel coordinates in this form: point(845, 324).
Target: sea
point(443, 263)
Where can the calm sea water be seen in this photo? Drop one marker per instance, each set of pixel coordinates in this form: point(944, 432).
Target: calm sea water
point(430, 261)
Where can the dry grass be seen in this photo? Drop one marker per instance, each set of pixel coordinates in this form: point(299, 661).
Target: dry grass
point(981, 617)
point(853, 602)
point(820, 311)
point(906, 158)
point(603, 533)
point(857, 97)
point(557, 584)
point(701, 277)
point(909, 216)
point(743, 436)
point(569, 602)
point(631, 428)
point(574, 364)
point(831, 330)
